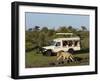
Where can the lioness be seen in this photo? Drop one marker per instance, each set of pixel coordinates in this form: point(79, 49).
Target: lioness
point(64, 55)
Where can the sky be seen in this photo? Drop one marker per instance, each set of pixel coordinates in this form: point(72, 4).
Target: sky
point(55, 20)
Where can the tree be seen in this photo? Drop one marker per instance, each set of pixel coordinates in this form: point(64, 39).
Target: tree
point(36, 28)
point(30, 29)
point(70, 27)
point(63, 29)
point(44, 29)
point(73, 30)
point(83, 28)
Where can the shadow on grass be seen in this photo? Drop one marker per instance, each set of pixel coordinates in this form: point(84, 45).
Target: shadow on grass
point(86, 50)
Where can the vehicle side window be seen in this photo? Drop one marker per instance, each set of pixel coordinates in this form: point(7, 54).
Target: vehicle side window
point(76, 43)
point(70, 43)
point(58, 44)
point(65, 43)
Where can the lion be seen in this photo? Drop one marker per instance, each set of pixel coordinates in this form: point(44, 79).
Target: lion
point(64, 56)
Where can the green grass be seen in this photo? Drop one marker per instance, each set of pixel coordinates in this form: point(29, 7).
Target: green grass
point(33, 59)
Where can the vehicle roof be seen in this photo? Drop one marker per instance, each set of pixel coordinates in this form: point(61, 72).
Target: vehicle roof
point(71, 38)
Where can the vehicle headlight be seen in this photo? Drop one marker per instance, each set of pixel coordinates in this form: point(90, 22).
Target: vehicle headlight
point(44, 49)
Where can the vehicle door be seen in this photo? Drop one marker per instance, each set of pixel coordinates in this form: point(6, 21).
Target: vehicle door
point(57, 46)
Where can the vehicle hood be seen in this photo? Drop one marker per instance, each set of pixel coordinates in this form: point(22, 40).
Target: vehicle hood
point(48, 47)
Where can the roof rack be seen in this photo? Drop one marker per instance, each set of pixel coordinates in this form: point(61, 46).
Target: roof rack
point(64, 33)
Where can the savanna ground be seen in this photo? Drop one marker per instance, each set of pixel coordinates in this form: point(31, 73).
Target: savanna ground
point(33, 59)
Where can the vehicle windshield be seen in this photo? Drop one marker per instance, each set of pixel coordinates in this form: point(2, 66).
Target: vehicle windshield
point(52, 43)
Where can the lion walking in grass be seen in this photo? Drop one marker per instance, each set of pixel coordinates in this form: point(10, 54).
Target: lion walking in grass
point(64, 56)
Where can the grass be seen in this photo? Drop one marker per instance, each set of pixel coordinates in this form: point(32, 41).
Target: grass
point(33, 59)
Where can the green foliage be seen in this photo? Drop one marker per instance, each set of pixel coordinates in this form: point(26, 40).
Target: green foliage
point(84, 36)
point(38, 37)
point(29, 45)
point(83, 28)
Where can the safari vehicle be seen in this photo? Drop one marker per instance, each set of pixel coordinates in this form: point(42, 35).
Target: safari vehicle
point(69, 44)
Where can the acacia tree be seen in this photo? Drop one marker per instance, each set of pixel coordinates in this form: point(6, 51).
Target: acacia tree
point(30, 29)
point(83, 28)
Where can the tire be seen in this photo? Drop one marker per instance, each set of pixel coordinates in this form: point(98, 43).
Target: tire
point(48, 53)
point(71, 51)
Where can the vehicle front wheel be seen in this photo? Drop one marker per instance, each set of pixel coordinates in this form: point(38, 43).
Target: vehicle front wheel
point(48, 53)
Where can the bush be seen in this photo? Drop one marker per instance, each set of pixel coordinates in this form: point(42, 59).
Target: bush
point(28, 46)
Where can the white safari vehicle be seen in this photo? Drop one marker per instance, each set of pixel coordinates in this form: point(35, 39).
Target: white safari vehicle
point(69, 44)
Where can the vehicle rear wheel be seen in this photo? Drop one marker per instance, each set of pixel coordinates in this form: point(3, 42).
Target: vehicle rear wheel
point(71, 51)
